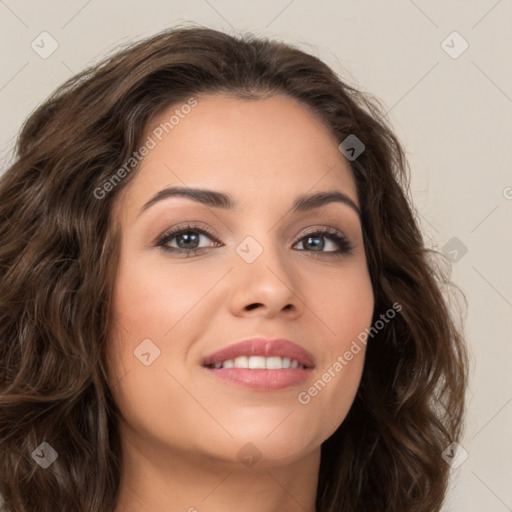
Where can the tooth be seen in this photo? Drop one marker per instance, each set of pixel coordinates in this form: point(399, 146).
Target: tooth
point(274, 363)
point(257, 362)
point(241, 362)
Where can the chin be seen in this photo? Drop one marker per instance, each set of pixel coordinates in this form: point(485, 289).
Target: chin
point(265, 448)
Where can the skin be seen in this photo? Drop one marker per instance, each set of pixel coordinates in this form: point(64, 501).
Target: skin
point(181, 427)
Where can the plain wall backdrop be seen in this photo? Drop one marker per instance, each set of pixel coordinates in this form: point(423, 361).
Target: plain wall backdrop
point(443, 72)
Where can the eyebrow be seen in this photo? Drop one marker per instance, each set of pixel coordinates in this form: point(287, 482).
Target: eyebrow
point(215, 199)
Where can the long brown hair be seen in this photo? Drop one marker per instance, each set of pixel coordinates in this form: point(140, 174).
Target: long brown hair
point(59, 250)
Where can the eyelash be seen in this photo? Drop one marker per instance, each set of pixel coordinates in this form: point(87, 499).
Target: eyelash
point(334, 235)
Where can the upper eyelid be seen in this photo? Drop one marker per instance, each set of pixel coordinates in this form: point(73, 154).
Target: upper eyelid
point(176, 231)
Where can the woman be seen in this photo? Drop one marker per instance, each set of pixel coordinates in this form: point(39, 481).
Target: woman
point(215, 294)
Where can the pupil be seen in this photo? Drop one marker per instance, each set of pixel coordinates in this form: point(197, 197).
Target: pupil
point(316, 244)
point(187, 237)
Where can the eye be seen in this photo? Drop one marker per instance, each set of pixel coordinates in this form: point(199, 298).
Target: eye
point(312, 240)
point(188, 241)
point(187, 238)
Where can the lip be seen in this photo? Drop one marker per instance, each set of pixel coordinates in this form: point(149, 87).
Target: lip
point(262, 347)
point(262, 379)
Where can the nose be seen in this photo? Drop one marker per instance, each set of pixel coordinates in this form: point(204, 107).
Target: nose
point(264, 282)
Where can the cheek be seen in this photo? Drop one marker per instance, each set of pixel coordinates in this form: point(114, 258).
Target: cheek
point(150, 309)
point(345, 304)
point(155, 302)
point(149, 300)
point(147, 292)
point(345, 308)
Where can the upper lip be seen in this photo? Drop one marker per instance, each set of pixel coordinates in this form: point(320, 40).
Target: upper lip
point(262, 347)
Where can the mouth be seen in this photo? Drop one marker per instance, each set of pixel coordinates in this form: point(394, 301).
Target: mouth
point(261, 364)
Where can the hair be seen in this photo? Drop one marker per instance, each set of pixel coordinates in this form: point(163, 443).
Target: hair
point(60, 248)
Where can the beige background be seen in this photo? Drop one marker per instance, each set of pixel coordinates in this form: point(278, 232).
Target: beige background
point(454, 116)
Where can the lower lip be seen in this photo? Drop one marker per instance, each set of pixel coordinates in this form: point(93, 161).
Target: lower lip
point(262, 379)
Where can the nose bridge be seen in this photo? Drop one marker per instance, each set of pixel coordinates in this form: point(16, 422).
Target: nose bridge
point(263, 265)
point(260, 246)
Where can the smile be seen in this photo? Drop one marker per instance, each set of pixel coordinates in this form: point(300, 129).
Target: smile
point(260, 363)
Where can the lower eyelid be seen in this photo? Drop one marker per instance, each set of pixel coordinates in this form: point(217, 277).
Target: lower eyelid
point(342, 247)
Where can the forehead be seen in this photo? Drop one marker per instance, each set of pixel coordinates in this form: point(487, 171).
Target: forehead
point(255, 149)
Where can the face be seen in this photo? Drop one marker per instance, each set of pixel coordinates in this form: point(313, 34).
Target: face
point(260, 269)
